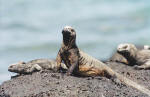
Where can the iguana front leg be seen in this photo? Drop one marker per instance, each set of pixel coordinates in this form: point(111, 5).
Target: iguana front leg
point(58, 60)
point(74, 65)
point(144, 66)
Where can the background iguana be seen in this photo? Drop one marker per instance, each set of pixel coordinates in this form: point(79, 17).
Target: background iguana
point(35, 65)
point(140, 58)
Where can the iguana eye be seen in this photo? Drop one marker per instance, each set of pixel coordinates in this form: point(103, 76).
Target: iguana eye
point(72, 30)
point(11, 66)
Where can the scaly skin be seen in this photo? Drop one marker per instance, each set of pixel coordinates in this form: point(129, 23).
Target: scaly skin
point(82, 64)
point(140, 58)
point(35, 65)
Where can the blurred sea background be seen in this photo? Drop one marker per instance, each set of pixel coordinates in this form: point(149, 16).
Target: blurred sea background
point(31, 29)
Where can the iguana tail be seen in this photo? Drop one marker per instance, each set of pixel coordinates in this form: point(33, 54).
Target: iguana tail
point(133, 84)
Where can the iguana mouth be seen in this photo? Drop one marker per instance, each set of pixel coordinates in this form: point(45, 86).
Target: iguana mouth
point(66, 37)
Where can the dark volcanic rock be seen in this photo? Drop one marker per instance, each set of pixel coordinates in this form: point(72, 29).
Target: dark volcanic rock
point(142, 77)
point(47, 84)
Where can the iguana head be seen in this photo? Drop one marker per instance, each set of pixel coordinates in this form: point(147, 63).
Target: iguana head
point(24, 68)
point(127, 50)
point(69, 35)
point(17, 68)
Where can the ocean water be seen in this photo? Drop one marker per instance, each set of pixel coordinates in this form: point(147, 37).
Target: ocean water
point(31, 29)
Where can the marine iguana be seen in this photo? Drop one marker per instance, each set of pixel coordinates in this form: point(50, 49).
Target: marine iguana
point(139, 58)
point(35, 65)
point(83, 64)
point(117, 57)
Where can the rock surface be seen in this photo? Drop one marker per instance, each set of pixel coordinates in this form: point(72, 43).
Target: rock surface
point(48, 84)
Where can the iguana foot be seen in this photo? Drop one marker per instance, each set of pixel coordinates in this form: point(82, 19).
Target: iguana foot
point(138, 67)
point(117, 81)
